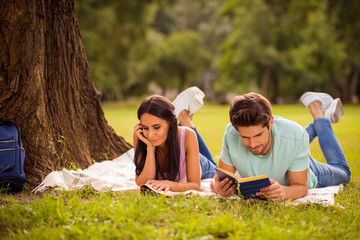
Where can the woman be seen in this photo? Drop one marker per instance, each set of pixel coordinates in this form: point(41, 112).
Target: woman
point(169, 156)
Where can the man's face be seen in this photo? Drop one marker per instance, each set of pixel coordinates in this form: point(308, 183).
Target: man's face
point(256, 138)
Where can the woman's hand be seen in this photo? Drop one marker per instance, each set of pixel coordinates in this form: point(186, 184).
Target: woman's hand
point(160, 185)
point(138, 132)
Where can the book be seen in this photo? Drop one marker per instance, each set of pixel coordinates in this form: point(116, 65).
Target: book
point(146, 189)
point(248, 186)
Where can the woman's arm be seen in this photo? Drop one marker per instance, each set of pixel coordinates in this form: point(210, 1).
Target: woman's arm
point(193, 171)
point(149, 170)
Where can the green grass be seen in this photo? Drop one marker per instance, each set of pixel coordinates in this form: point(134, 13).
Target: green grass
point(211, 121)
point(87, 214)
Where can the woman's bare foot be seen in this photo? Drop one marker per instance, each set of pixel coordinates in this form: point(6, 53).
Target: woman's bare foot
point(315, 109)
point(185, 119)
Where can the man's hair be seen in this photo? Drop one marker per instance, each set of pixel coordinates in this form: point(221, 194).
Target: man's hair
point(250, 109)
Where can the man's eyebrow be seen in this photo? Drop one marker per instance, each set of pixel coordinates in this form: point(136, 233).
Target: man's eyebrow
point(259, 134)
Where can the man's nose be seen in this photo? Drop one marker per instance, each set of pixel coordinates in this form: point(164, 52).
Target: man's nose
point(252, 143)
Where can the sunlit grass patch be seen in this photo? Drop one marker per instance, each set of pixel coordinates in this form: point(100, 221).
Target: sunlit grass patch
point(87, 214)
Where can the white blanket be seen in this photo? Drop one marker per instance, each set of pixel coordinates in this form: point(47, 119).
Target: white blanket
point(115, 175)
point(119, 175)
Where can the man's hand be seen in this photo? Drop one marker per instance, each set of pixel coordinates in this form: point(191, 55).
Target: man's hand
point(225, 188)
point(275, 192)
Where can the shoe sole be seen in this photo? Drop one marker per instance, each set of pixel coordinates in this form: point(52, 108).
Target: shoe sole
point(187, 96)
point(339, 110)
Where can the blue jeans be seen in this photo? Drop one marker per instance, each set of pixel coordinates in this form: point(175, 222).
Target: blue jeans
point(207, 162)
point(336, 169)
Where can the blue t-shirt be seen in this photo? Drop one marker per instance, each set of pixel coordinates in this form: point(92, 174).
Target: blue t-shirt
point(289, 151)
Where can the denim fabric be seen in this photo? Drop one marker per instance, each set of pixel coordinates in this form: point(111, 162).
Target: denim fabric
point(207, 167)
point(336, 169)
point(207, 162)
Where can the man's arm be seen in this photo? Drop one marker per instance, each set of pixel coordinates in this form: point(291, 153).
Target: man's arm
point(225, 188)
point(297, 187)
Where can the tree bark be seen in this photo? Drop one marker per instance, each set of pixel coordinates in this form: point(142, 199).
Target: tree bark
point(265, 81)
point(46, 87)
point(354, 83)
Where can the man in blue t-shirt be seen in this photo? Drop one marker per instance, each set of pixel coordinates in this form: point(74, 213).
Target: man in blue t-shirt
point(257, 143)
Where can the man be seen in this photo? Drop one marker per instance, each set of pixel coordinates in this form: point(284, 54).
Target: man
point(257, 143)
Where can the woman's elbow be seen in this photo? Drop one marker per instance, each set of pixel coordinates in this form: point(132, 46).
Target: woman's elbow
point(138, 181)
point(306, 190)
point(197, 186)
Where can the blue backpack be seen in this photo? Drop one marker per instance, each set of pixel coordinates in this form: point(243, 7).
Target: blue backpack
point(12, 157)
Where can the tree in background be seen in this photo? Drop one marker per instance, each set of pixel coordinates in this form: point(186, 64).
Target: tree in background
point(113, 33)
point(46, 88)
point(280, 48)
point(204, 18)
point(124, 38)
point(249, 52)
point(348, 30)
point(177, 61)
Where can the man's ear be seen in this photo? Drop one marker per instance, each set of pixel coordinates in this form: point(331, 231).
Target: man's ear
point(271, 123)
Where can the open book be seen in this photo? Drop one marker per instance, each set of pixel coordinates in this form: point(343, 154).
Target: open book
point(248, 186)
point(146, 189)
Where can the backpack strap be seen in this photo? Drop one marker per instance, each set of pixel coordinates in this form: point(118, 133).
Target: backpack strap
point(11, 123)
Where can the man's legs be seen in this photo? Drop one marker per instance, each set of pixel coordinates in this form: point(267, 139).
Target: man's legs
point(336, 170)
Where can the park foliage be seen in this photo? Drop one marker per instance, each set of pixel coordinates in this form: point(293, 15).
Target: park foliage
point(278, 48)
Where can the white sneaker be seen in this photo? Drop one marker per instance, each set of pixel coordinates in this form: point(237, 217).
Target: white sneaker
point(190, 99)
point(334, 111)
point(310, 97)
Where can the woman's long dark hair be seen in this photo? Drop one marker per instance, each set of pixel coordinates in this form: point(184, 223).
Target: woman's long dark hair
point(162, 108)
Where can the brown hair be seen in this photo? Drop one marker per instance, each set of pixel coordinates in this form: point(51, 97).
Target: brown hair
point(160, 107)
point(250, 109)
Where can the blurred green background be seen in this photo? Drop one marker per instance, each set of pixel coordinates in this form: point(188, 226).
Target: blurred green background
point(277, 48)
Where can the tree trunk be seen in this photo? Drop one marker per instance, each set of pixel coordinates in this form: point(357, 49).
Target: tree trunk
point(182, 82)
point(46, 87)
point(265, 81)
point(345, 97)
point(354, 83)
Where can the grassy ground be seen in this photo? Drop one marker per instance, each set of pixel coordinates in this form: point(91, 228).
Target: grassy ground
point(89, 215)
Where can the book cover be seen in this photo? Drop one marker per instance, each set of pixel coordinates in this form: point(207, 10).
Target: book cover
point(248, 186)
